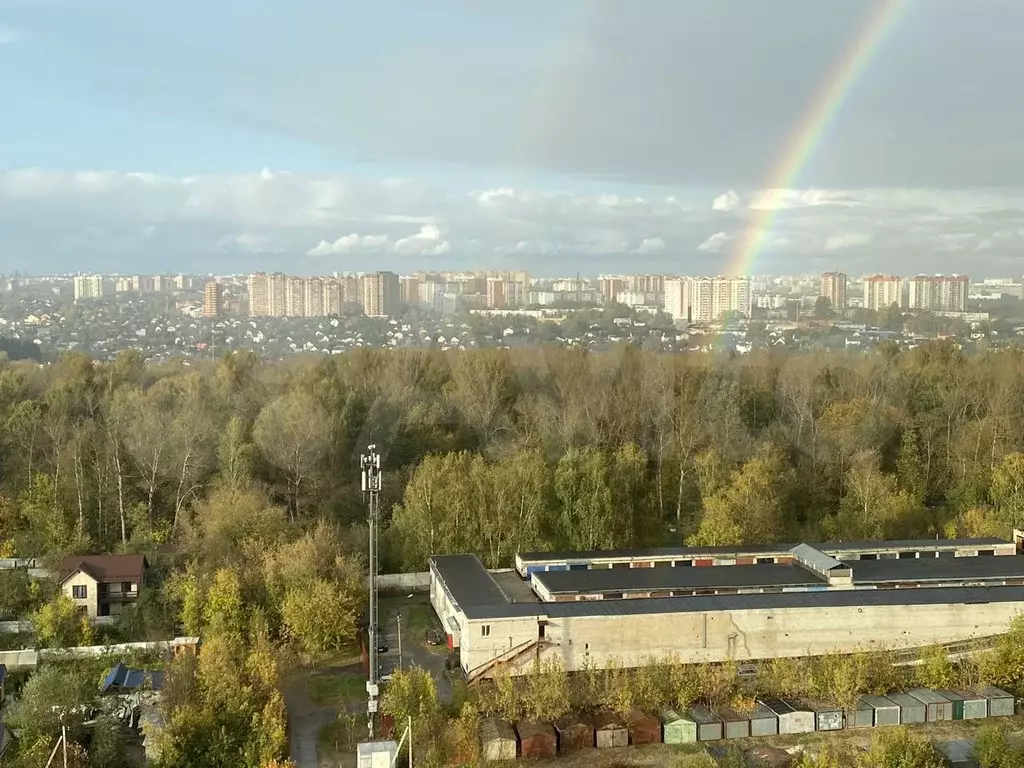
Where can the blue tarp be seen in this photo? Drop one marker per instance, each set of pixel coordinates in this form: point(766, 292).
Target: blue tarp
point(123, 678)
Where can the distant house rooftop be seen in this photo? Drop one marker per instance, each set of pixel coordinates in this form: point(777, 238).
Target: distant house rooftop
point(105, 567)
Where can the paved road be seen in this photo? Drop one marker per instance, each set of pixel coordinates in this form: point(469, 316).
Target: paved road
point(306, 719)
point(414, 651)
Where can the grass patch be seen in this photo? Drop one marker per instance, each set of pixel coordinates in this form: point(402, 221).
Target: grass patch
point(421, 618)
point(336, 690)
point(340, 736)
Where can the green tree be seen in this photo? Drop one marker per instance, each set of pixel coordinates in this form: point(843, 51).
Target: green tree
point(823, 308)
point(1007, 490)
point(902, 748)
point(993, 748)
point(57, 623)
point(752, 508)
point(294, 432)
point(52, 692)
point(320, 617)
point(224, 613)
point(936, 670)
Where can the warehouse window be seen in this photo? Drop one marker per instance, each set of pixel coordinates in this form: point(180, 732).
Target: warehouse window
point(485, 630)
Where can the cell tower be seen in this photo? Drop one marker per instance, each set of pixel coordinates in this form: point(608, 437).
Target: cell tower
point(369, 462)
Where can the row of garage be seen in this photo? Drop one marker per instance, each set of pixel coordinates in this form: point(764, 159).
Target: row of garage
point(771, 716)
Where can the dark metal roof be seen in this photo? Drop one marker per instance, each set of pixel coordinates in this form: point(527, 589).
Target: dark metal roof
point(830, 547)
point(937, 569)
point(640, 554)
point(467, 581)
point(637, 579)
point(122, 678)
point(780, 600)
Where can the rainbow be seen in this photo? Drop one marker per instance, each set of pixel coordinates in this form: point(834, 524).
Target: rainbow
point(812, 129)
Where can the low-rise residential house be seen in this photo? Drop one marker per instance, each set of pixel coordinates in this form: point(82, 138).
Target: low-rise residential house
point(101, 585)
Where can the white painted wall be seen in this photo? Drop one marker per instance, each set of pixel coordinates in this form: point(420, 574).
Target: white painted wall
point(739, 635)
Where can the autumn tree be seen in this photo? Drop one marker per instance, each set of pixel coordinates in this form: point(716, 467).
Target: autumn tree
point(294, 433)
point(751, 508)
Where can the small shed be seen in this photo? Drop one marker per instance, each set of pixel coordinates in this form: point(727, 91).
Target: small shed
point(676, 728)
point(975, 706)
point(860, 716)
point(709, 726)
point(791, 719)
point(959, 753)
point(956, 701)
point(497, 740)
point(936, 706)
point(610, 731)
point(734, 724)
point(911, 710)
point(376, 754)
point(886, 711)
point(827, 716)
point(643, 728)
point(574, 733)
point(763, 721)
point(537, 741)
point(1000, 703)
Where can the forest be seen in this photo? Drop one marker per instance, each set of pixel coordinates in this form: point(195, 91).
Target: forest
point(495, 451)
point(239, 479)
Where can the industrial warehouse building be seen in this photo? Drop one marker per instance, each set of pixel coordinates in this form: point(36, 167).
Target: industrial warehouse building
point(600, 608)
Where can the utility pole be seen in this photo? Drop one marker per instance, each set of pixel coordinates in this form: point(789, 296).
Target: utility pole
point(399, 620)
point(369, 463)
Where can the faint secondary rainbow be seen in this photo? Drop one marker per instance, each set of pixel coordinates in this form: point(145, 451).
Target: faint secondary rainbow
point(802, 145)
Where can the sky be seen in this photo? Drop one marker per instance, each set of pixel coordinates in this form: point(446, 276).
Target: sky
point(315, 136)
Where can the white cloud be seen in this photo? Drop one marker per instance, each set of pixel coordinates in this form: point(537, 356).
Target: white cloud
point(651, 245)
point(716, 243)
point(426, 242)
point(8, 35)
point(727, 201)
point(848, 240)
point(352, 243)
point(45, 216)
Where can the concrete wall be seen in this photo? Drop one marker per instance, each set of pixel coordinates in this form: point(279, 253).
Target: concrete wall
point(91, 600)
point(739, 635)
point(19, 659)
point(419, 582)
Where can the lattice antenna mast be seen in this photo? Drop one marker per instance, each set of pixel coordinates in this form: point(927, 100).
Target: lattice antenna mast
point(369, 463)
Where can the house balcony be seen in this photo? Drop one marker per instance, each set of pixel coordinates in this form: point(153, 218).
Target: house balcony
point(117, 595)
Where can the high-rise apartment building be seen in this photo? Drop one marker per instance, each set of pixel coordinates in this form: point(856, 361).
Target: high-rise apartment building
point(183, 282)
point(381, 294)
point(213, 299)
point(496, 293)
point(707, 299)
point(333, 297)
point(88, 287)
point(409, 290)
point(833, 288)
point(677, 299)
point(609, 286)
point(295, 297)
point(645, 283)
point(882, 291)
point(313, 297)
point(938, 293)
